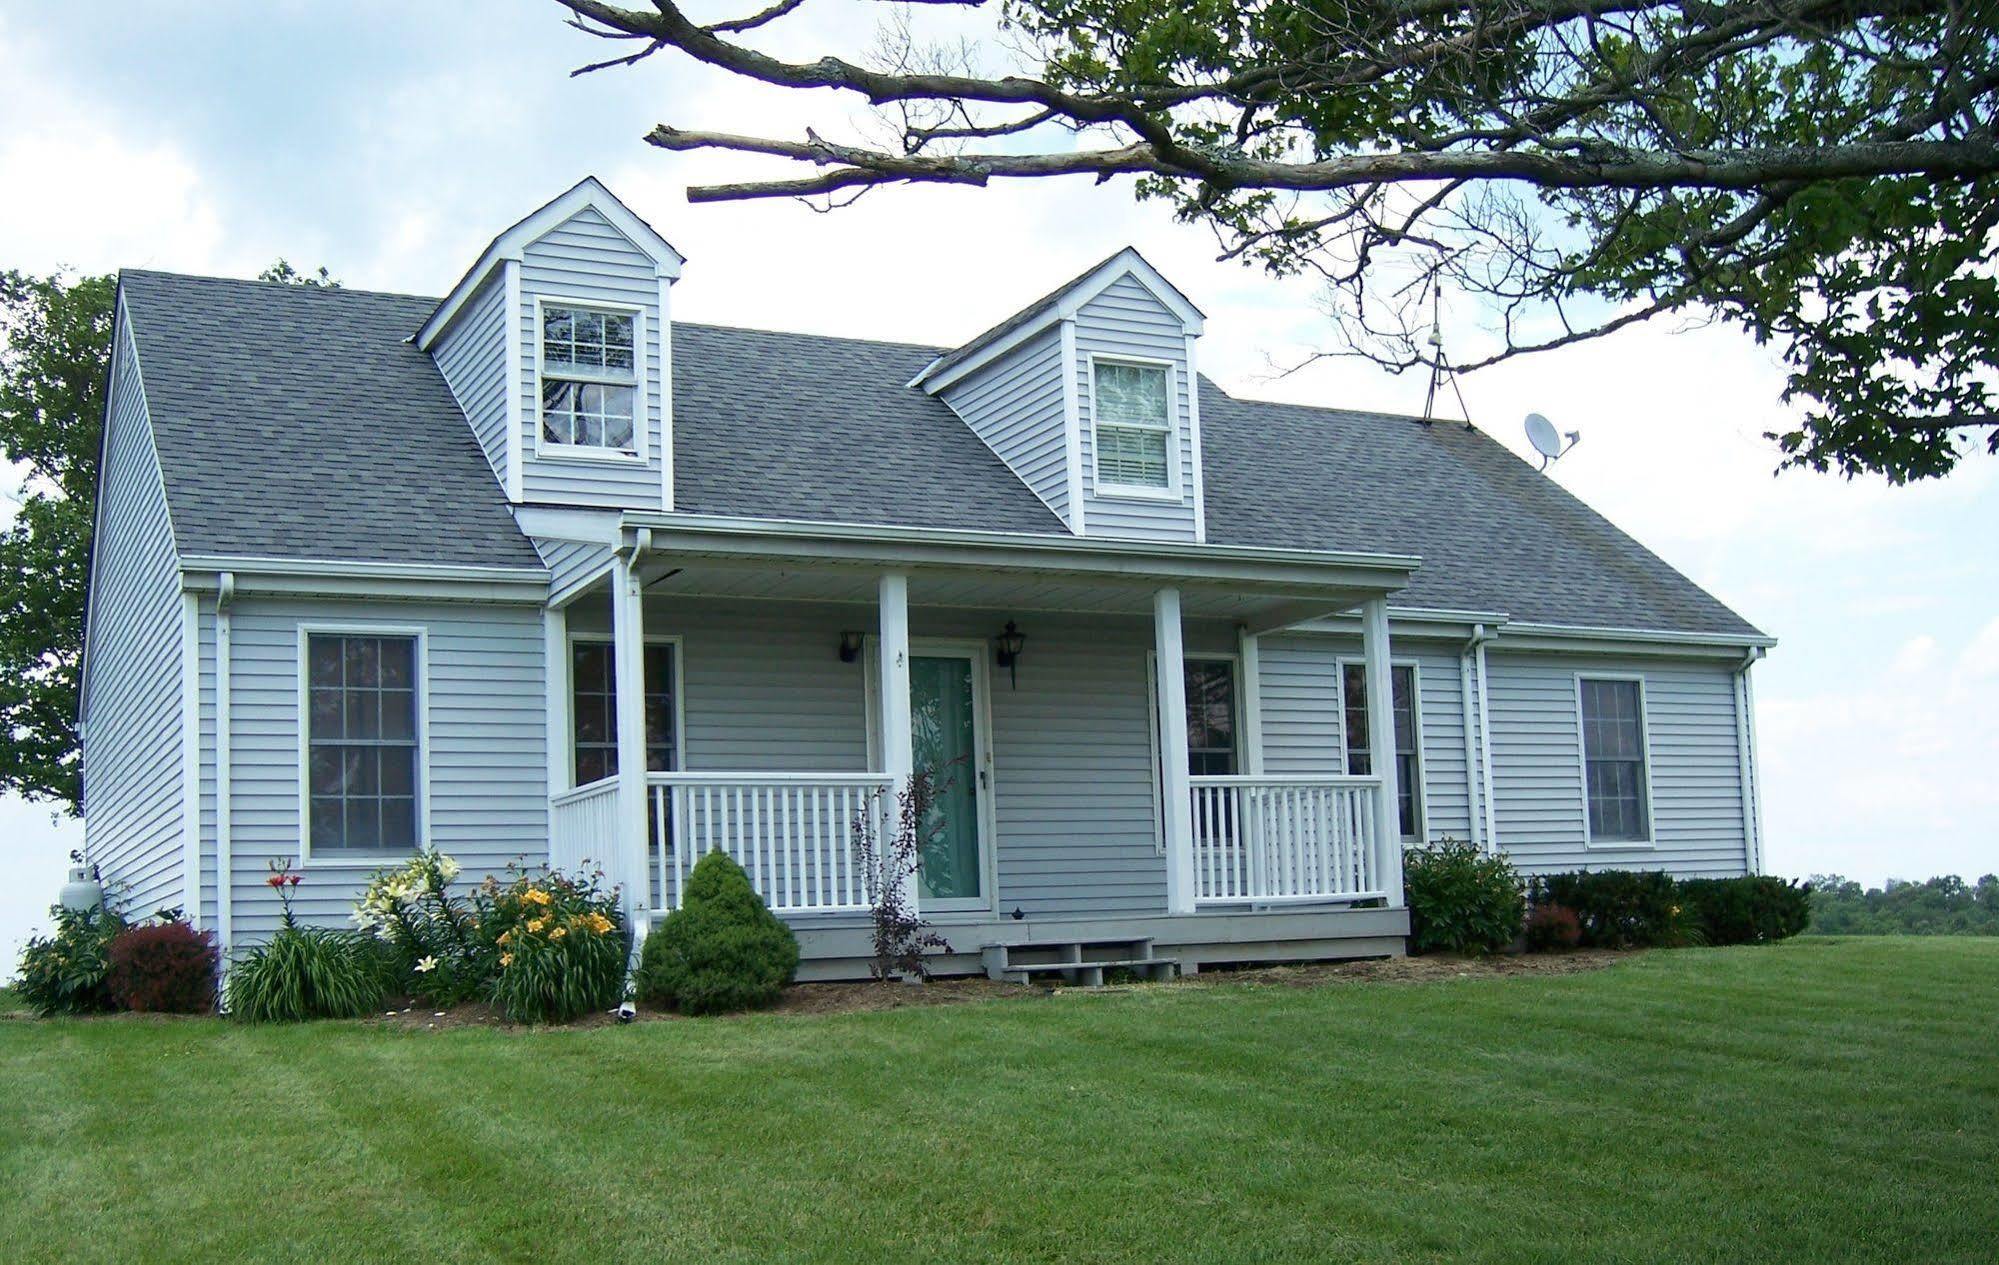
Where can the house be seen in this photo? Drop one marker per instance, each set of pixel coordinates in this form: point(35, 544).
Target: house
point(536, 572)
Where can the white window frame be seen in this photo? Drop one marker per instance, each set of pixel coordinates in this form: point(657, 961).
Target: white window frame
point(641, 401)
point(1645, 766)
point(1421, 802)
point(1137, 491)
point(591, 637)
point(346, 858)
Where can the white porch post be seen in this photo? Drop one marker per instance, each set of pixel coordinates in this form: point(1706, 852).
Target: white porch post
point(1381, 746)
point(1171, 681)
point(897, 748)
point(628, 655)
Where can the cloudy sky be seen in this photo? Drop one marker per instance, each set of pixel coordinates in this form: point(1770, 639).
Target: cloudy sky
point(390, 141)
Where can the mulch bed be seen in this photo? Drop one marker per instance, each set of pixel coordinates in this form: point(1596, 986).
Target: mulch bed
point(868, 996)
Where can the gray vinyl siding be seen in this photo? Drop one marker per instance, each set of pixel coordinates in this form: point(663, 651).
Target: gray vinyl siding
point(487, 769)
point(1303, 718)
point(132, 801)
point(1692, 763)
point(570, 563)
point(1015, 405)
point(1126, 320)
point(587, 260)
point(472, 357)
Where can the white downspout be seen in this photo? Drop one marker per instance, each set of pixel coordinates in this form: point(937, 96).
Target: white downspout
point(225, 594)
point(1478, 639)
point(1750, 777)
point(1474, 790)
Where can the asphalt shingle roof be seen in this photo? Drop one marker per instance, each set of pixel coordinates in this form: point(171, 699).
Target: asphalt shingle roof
point(300, 423)
point(295, 422)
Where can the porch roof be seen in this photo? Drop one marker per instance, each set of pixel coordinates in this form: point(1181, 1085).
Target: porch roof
point(1263, 588)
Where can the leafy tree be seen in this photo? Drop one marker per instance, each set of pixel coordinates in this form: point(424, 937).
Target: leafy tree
point(57, 333)
point(55, 353)
point(1821, 173)
point(283, 271)
point(1945, 905)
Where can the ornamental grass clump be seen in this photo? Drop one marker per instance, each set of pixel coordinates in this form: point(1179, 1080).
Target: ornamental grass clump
point(559, 946)
point(431, 935)
point(721, 950)
point(69, 973)
point(306, 972)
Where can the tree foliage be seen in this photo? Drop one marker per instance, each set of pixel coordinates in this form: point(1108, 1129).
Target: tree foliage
point(1820, 173)
point(55, 356)
point(1945, 906)
point(57, 334)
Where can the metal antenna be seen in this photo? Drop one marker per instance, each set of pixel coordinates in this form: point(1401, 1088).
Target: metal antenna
point(1440, 362)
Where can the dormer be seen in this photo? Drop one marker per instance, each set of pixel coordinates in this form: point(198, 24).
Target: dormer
point(1090, 396)
point(558, 346)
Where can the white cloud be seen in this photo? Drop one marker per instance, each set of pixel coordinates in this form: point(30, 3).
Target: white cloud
point(1915, 657)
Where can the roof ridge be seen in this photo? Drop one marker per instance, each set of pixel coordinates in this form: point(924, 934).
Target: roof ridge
point(287, 286)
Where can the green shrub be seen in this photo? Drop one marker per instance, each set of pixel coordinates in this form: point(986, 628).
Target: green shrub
point(1460, 899)
point(164, 967)
point(559, 947)
point(1620, 909)
point(1553, 929)
point(69, 973)
point(721, 950)
point(1754, 909)
point(308, 973)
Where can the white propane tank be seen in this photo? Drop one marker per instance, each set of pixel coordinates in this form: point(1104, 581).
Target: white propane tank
point(83, 890)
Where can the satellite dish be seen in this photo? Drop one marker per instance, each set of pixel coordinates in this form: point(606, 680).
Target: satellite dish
point(1547, 440)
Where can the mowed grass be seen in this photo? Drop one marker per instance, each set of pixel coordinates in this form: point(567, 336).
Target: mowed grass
point(1819, 1100)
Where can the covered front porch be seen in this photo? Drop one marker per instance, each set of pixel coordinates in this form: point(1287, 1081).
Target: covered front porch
point(763, 693)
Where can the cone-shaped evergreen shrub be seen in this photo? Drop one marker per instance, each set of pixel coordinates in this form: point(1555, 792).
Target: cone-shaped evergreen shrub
point(721, 950)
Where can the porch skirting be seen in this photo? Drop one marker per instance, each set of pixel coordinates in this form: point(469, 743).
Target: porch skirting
point(839, 948)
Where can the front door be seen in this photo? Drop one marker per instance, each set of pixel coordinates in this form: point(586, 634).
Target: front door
point(944, 727)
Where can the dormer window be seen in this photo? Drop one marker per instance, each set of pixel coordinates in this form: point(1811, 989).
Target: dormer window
point(589, 379)
point(1134, 425)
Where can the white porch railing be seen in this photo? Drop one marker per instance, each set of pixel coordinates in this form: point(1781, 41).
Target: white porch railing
point(793, 833)
point(583, 828)
point(1279, 840)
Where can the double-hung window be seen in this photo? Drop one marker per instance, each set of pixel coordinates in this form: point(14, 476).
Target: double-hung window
point(1408, 746)
point(363, 751)
point(594, 707)
point(589, 379)
point(1613, 727)
point(1211, 717)
point(1134, 424)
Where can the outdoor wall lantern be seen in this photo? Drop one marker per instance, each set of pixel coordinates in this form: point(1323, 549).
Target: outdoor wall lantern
point(850, 645)
point(1009, 642)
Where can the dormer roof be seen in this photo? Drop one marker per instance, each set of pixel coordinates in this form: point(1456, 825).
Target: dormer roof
point(1061, 303)
point(587, 194)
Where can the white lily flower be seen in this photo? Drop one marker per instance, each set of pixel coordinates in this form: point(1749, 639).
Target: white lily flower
point(426, 966)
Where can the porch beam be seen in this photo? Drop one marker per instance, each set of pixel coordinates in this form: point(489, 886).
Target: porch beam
point(1169, 676)
point(1290, 614)
point(897, 746)
point(628, 657)
point(1381, 747)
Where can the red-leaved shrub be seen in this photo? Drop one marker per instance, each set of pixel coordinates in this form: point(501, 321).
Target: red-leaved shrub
point(167, 967)
point(1553, 929)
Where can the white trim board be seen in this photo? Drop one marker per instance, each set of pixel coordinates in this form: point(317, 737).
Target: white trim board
point(588, 193)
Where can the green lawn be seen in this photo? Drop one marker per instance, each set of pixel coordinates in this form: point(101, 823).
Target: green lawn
point(1823, 1099)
